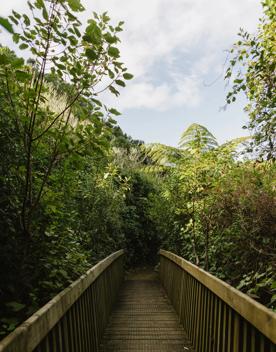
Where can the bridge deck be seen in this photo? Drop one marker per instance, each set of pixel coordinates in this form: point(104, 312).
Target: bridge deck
point(144, 319)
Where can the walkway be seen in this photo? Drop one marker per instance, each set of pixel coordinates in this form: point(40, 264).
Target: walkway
point(216, 316)
point(144, 319)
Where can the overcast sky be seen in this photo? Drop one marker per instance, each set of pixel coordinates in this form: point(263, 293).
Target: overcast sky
point(176, 49)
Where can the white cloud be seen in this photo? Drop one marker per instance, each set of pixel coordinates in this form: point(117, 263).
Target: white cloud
point(156, 28)
point(159, 32)
point(159, 97)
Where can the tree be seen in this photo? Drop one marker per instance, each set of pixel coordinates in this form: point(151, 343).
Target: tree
point(197, 139)
point(61, 206)
point(84, 61)
point(219, 211)
point(159, 158)
point(253, 70)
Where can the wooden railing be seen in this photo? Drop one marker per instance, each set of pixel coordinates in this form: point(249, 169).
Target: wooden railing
point(216, 316)
point(74, 320)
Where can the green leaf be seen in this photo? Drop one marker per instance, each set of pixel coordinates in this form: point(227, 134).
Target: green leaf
point(30, 5)
point(120, 83)
point(75, 5)
point(77, 31)
point(91, 54)
point(10, 323)
point(4, 22)
point(95, 15)
point(114, 91)
point(110, 38)
point(26, 20)
point(45, 14)
point(112, 121)
point(18, 62)
point(23, 46)
point(114, 52)
point(128, 76)
point(4, 60)
point(63, 273)
point(106, 18)
point(114, 112)
point(16, 38)
point(39, 4)
point(14, 20)
point(111, 74)
point(73, 40)
point(22, 76)
point(238, 81)
point(96, 101)
point(60, 66)
point(16, 14)
point(118, 29)
point(93, 32)
point(15, 306)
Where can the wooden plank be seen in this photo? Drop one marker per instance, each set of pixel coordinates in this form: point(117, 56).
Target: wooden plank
point(215, 324)
point(236, 333)
point(225, 331)
point(219, 331)
point(211, 323)
point(144, 320)
point(258, 315)
point(230, 332)
point(244, 336)
point(30, 333)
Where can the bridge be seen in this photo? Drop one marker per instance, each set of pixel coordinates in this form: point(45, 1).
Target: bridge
point(183, 308)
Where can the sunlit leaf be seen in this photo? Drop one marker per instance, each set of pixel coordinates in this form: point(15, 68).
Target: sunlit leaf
point(114, 52)
point(4, 22)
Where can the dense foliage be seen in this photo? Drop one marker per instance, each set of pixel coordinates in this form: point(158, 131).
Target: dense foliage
point(252, 69)
point(75, 188)
point(220, 214)
point(62, 196)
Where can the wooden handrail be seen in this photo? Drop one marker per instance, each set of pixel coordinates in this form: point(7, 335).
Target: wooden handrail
point(207, 292)
point(32, 332)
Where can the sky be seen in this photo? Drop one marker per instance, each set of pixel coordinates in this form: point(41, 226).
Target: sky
point(176, 50)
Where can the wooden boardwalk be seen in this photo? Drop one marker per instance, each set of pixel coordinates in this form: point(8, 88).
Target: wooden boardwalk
point(144, 319)
point(217, 316)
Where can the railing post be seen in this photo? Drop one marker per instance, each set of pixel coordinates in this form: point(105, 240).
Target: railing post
point(74, 320)
point(216, 316)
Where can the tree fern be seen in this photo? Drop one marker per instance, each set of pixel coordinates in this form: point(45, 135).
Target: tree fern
point(161, 156)
point(197, 138)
